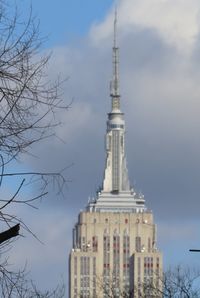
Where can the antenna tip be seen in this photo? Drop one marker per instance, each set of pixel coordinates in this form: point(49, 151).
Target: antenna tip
point(115, 13)
point(115, 27)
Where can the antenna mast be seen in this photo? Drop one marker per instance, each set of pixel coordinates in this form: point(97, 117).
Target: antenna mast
point(115, 81)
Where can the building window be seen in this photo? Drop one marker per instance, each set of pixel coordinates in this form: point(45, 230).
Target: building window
point(94, 265)
point(149, 244)
point(83, 244)
point(85, 276)
point(75, 276)
point(106, 261)
point(75, 265)
point(116, 263)
point(139, 284)
point(148, 267)
point(139, 267)
point(79, 242)
point(116, 253)
point(106, 255)
point(157, 272)
point(95, 243)
point(126, 221)
point(116, 125)
point(157, 263)
point(94, 277)
point(148, 275)
point(126, 261)
point(138, 244)
point(75, 293)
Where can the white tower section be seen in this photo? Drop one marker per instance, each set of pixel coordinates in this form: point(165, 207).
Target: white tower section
point(116, 174)
point(116, 194)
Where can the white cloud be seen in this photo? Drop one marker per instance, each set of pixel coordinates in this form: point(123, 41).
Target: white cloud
point(75, 121)
point(177, 21)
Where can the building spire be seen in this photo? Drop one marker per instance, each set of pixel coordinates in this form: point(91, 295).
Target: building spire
point(115, 29)
point(115, 80)
point(116, 193)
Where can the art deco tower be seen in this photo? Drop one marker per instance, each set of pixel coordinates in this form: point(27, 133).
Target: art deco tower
point(114, 240)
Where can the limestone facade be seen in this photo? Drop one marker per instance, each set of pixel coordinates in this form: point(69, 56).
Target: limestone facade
point(113, 253)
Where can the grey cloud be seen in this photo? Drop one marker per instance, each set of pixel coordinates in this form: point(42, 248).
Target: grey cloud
point(143, 48)
point(46, 261)
point(159, 99)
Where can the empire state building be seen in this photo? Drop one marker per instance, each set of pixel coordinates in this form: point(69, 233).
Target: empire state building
point(114, 250)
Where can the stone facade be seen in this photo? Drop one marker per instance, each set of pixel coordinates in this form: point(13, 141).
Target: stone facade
point(113, 253)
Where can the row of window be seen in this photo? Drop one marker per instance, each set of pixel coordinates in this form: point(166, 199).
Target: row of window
point(116, 244)
point(85, 263)
point(126, 221)
point(85, 277)
point(116, 126)
point(126, 256)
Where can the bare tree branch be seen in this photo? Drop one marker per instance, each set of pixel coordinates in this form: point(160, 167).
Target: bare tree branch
point(10, 233)
point(29, 104)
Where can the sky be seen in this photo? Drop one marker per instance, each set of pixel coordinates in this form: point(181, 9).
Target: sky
point(159, 44)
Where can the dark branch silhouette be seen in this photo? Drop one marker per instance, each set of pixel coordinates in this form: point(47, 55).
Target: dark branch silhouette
point(10, 233)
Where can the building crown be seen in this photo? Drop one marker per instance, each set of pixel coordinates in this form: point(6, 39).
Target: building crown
point(116, 194)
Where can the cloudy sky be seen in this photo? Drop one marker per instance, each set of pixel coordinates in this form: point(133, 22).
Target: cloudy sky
point(160, 86)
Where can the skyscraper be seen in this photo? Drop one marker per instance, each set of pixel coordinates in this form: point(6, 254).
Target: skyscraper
point(114, 240)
